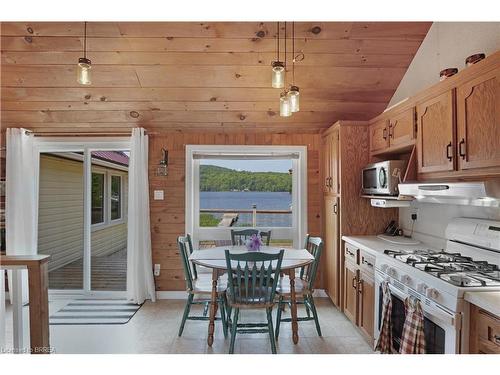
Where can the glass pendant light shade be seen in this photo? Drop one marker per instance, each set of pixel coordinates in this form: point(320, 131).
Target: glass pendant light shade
point(83, 71)
point(294, 97)
point(285, 110)
point(278, 79)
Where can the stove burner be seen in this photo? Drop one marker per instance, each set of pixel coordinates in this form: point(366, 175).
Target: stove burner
point(454, 268)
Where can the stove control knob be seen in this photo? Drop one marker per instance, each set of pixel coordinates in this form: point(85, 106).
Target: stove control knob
point(405, 279)
point(432, 293)
point(421, 288)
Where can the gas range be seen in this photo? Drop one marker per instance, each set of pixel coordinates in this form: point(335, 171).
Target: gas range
point(454, 268)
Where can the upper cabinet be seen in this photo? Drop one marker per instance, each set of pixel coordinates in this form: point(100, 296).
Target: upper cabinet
point(395, 131)
point(435, 118)
point(478, 122)
point(330, 163)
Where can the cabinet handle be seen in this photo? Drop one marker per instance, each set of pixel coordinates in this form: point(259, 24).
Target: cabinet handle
point(391, 130)
point(327, 181)
point(448, 150)
point(354, 282)
point(364, 261)
point(330, 179)
point(460, 152)
point(335, 210)
point(384, 133)
point(497, 339)
point(350, 253)
point(360, 286)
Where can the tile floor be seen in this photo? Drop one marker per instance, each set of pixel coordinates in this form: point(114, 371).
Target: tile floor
point(154, 329)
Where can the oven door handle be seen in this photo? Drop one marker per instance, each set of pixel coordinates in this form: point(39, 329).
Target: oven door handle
point(445, 316)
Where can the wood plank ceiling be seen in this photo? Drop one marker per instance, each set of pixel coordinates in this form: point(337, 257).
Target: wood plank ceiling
point(198, 76)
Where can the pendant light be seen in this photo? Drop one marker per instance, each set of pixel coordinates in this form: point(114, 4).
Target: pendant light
point(84, 64)
point(278, 68)
point(294, 94)
point(285, 109)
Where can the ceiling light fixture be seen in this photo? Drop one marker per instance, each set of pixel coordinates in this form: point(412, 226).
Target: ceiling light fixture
point(294, 94)
point(278, 68)
point(84, 64)
point(285, 108)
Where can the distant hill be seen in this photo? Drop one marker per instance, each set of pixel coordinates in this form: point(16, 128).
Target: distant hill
point(214, 178)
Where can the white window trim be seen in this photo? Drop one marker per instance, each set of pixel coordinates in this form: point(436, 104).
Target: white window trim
point(298, 229)
point(108, 222)
point(104, 222)
point(121, 219)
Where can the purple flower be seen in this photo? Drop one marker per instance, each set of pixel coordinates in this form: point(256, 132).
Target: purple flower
point(254, 243)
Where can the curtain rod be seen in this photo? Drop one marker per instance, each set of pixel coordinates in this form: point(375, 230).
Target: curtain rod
point(86, 134)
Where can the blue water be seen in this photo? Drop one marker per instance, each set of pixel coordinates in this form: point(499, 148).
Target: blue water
point(245, 200)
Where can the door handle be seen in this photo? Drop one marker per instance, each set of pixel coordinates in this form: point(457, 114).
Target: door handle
point(335, 210)
point(460, 152)
point(448, 150)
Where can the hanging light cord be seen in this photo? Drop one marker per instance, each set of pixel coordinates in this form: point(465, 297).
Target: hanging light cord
point(293, 53)
point(85, 40)
point(278, 41)
point(285, 48)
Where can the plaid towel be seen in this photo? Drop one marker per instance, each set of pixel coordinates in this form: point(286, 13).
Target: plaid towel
point(384, 343)
point(413, 338)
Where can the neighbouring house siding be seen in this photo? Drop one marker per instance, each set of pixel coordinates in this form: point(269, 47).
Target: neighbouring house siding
point(60, 214)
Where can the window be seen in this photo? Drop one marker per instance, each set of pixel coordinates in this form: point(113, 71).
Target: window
point(116, 197)
point(261, 187)
point(97, 198)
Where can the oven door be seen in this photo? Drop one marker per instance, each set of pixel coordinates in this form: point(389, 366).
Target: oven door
point(441, 328)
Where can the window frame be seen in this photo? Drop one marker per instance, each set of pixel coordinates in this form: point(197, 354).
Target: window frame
point(298, 229)
point(108, 222)
point(112, 174)
point(104, 192)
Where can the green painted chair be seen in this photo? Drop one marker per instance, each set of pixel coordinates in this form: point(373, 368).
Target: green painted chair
point(199, 286)
point(304, 288)
point(266, 237)
point(252, 281)
point(239, 237)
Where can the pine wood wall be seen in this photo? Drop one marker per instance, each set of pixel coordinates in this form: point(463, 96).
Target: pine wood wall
point(167, 216)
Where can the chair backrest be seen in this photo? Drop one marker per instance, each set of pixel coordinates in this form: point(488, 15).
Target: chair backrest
point(191, 264)
point(315, 247)
point(253, 277)
point(306, 244)
point(238, 237)
point(265, 236)
point(183, 243)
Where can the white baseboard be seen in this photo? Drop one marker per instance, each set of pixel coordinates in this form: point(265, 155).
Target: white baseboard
point(180, 294)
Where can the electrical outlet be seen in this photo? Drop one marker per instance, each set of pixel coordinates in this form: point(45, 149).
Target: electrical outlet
point(414, 216)
point(157, 270)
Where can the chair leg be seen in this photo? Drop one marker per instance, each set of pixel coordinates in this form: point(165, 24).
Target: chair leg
point(271, 330)
point(234, 326)
point(223, 316)
point(315, 313)
point(278, 317)
point(186, 313)
point(308, 312)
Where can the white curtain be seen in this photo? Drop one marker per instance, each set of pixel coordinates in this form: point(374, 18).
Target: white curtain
point(21, 208)
point(140, 281)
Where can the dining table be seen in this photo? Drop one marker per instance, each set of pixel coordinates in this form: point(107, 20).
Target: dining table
point(214, 258)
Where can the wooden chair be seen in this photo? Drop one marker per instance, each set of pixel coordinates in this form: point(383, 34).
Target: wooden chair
point(238, 237)
point(304, 288)
point(265, 236)
point(252, 285)
point(199, 286)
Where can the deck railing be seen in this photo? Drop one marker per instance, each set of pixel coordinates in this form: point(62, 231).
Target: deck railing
point(230, 215)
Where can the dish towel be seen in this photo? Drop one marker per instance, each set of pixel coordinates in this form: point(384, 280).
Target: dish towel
point(384, 343)
point(413, 338)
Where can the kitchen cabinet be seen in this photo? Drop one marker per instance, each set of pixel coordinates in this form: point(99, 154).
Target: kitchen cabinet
point(402, 128)
point(435, 131)
point(332, 259)
point(330, 166)
point(359, 289)
point(379, 136)
point(484, 331)
point(478, 122)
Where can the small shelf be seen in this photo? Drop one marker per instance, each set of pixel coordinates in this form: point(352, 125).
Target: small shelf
point(389, 197)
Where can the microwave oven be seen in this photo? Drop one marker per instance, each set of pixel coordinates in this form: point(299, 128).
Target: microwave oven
point(382, 178)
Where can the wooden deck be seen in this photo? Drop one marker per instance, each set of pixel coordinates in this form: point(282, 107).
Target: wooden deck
point(108, 272)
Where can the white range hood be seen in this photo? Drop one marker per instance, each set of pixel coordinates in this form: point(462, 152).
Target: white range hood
point(482, 193)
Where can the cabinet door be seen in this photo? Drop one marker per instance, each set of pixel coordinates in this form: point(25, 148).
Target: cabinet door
point(402, 128)
point(332, 268)
point(350, 291)
point(435, 121)
point(334, 162)
point(478, 122)
point(366, 311)
point(379, 137)
point(326, 164)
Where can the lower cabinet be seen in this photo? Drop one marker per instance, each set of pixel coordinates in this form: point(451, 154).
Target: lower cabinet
point(359, 290)
point(484, 335)
point(331, 252)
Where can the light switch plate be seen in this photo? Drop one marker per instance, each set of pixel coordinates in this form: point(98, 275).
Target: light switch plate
point(157, 270)
point(158, 195)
